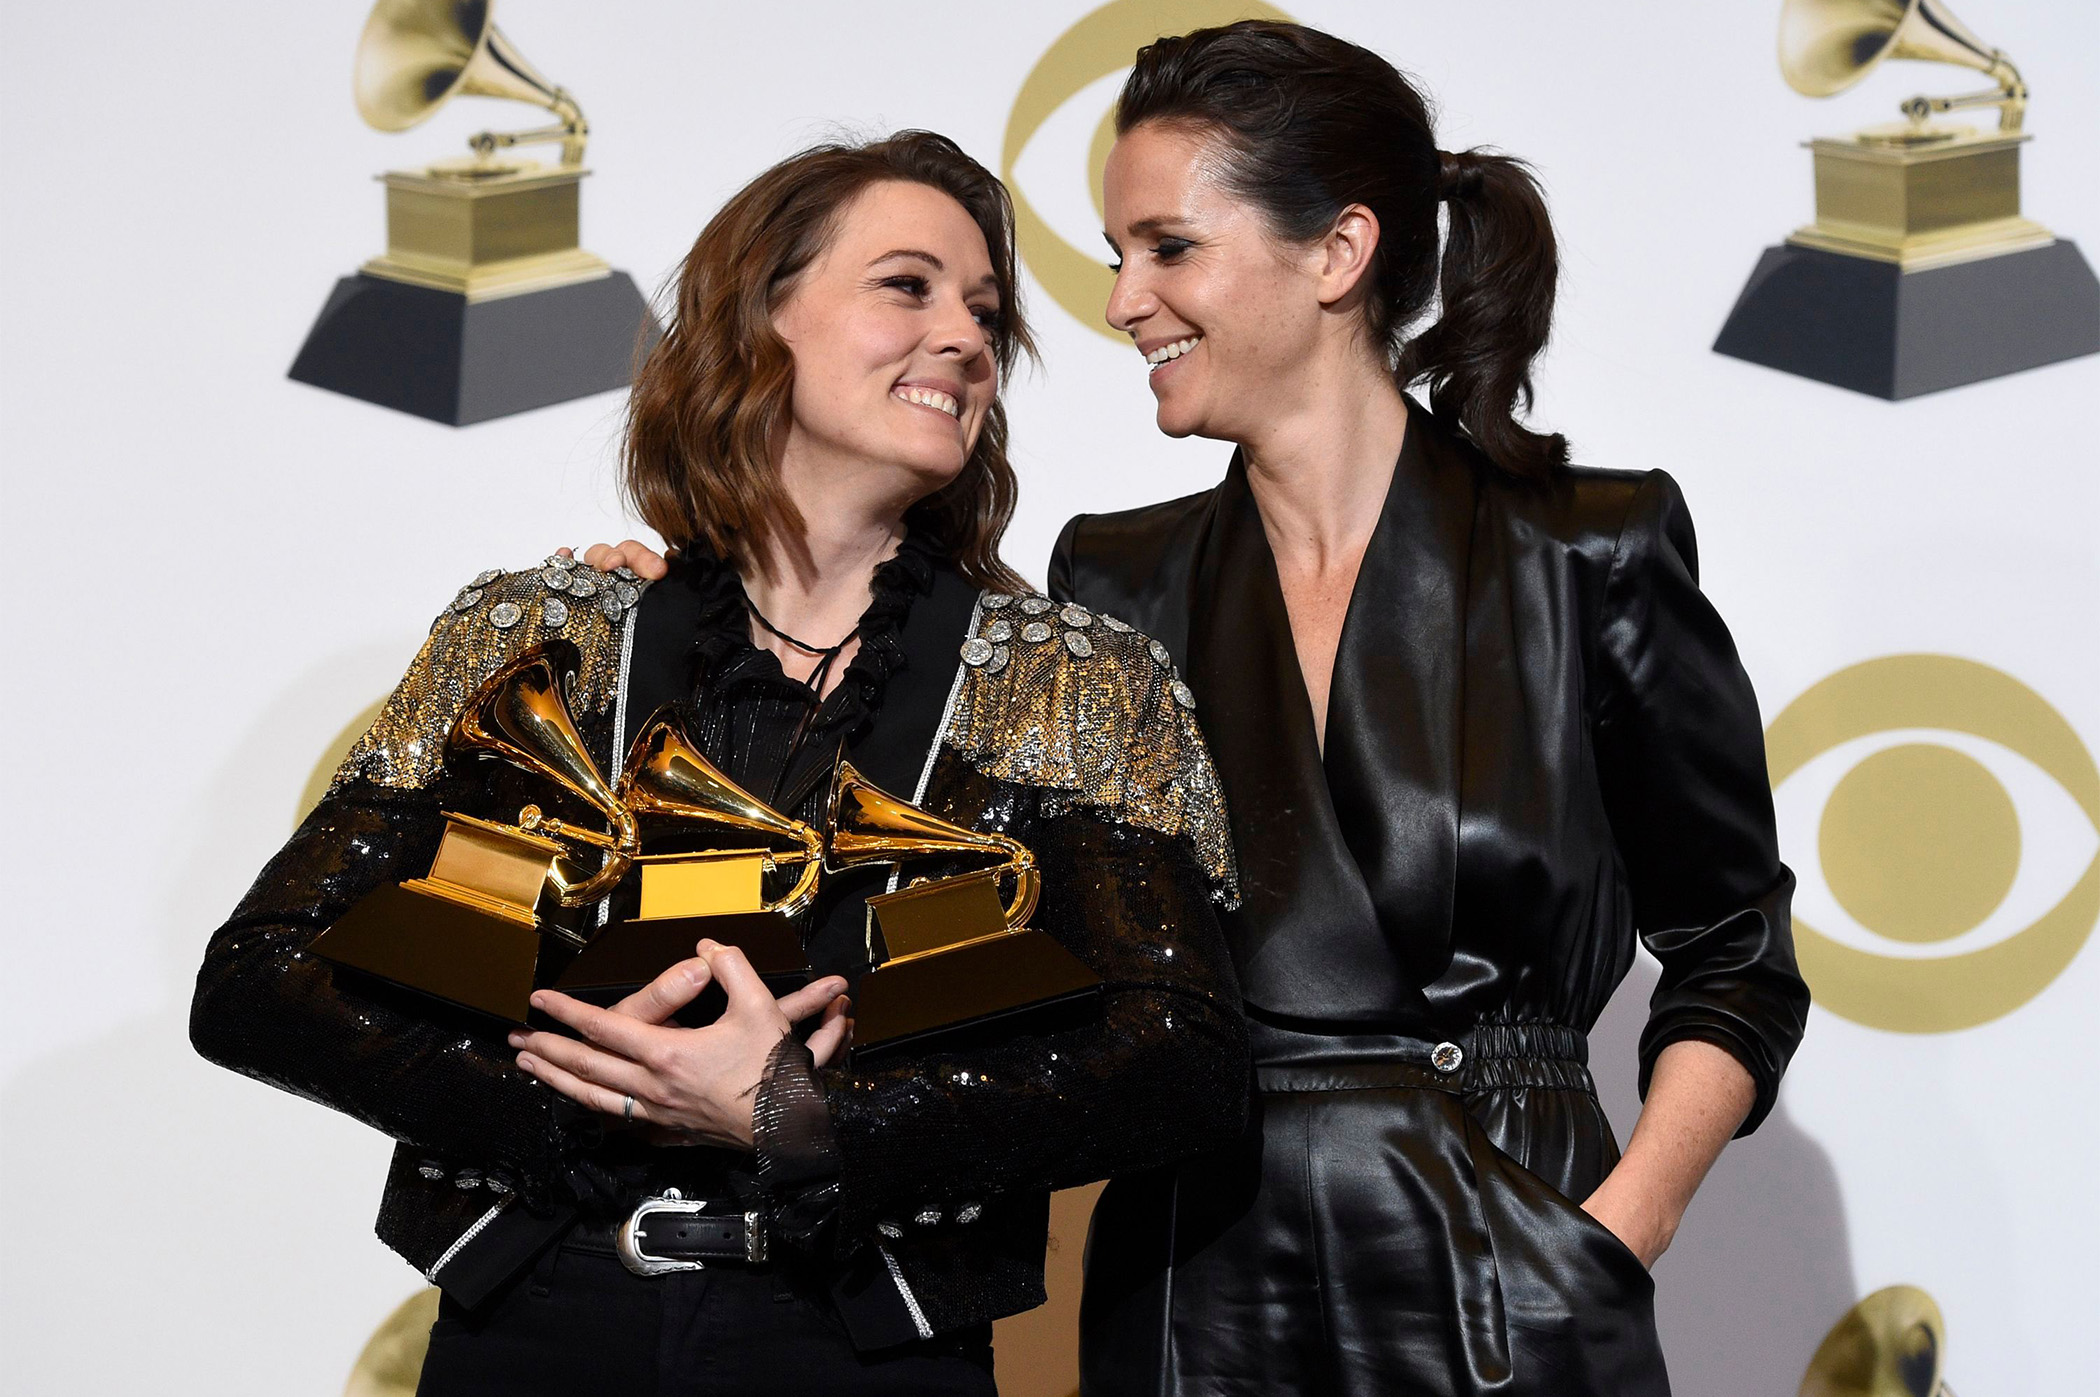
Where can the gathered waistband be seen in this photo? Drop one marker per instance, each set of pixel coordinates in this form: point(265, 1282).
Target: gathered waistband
point(1489, 1057)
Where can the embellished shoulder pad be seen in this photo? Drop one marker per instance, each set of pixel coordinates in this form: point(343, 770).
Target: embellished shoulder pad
point(495, 618)
point(1079, 702)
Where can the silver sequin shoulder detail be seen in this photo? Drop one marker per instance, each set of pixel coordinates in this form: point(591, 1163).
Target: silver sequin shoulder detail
point(1098, 718)
point(493, 619)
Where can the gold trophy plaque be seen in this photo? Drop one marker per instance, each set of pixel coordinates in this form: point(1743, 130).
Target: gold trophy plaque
point(483, 304)
point(721, 894)
point(1919, 272)
point(948, 952)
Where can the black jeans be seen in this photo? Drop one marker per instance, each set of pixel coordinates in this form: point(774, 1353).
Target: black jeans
point(580, 1324)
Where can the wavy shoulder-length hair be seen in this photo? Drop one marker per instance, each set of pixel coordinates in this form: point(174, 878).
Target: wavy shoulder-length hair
point(712, 399)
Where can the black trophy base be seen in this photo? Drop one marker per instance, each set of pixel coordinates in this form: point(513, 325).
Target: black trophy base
point(965, 987)
point(466, 957)
point(1874, 328)
point(625, 956)
point(438, 355)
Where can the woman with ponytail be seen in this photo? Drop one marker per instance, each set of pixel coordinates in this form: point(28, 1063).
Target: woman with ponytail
point(1478, 730)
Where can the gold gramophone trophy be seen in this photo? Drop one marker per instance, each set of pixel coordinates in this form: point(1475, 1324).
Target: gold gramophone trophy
point(1891, 1344)
point(471, 931)
point(677, 793)
point(483, 303)
point(1919, 272)
point(478, 931)
point(948, 952)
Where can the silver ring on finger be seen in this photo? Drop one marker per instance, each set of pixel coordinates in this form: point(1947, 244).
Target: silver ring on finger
point(627, 1111)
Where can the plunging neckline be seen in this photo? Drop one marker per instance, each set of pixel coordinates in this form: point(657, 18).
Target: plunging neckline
point(1354, 837)
point(1321, 713)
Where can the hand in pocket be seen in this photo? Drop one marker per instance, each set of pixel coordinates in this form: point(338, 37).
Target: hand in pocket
point(1621, 1210)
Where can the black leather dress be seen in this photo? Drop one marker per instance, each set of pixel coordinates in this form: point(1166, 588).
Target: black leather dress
point(1540, 742)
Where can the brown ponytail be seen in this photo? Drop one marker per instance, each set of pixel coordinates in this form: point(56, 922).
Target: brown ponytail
point(1499, 270)
point(1307, 124)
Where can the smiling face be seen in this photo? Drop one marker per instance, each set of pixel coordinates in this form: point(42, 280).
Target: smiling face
point(891, 330)
point(1225, 315)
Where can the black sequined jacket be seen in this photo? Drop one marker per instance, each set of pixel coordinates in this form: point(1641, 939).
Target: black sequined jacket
point(1066, 730)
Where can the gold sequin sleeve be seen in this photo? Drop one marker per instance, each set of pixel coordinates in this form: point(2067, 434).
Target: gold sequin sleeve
point(493, 619)
point(1080, 703)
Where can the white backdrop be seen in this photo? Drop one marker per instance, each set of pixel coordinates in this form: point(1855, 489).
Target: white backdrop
point(235, 565)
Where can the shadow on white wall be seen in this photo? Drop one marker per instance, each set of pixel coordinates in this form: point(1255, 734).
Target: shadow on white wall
point(1762, 1266)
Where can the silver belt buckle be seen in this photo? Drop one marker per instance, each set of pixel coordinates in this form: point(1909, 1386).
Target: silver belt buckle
point(629, 1241)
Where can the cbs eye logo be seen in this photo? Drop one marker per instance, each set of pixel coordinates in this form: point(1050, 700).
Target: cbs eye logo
point(1062, 93)
point(1945, 823)
point(319, 779)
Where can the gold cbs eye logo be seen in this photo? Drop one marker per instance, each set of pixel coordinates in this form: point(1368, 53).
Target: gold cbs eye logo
point(1939, 813)
point(1102, 43)
point(323, 774)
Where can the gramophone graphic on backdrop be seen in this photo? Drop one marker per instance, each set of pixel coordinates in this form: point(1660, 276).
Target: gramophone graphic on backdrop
point(1919, 272)
point(483, 304)
point(1893, 1343)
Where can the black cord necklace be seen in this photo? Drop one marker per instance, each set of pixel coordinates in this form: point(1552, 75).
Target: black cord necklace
point(829, 652)
point(827, 655)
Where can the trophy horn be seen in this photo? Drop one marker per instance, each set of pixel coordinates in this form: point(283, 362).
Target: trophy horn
point(416, 55)
point(868, 825)
point(518, 714)
point(1888, 1345)
point(667, 778)
point(1825, 46)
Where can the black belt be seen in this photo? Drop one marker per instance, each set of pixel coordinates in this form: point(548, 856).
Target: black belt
point(670, 1232)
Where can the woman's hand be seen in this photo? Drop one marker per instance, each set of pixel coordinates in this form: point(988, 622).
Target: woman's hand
point(1697, 1097)
point(657, 1001)
point(1629, 1214)
point(700, 1082)
point(638, 556)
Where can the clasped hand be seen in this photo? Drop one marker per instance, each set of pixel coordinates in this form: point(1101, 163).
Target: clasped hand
point(700, 1083)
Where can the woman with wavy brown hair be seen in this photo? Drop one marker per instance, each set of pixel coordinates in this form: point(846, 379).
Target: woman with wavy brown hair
point(820, 434)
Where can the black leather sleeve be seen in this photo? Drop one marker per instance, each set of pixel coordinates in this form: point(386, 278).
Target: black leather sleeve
point(1161, 1071)
point(1680, 750)
point(268, 1008)
point(1061, 584)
